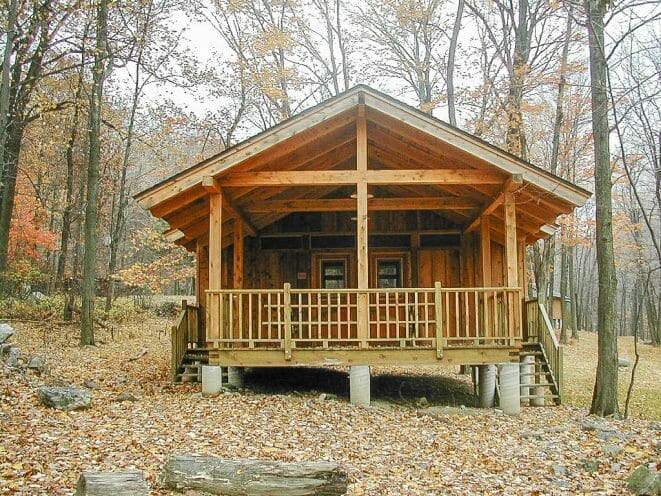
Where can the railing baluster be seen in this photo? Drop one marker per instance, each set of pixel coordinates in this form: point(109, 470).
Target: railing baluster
point(251, 343)
point(287, 318)
point(438, 307)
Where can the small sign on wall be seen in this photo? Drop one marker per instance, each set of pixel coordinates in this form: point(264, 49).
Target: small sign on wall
point(302, 276)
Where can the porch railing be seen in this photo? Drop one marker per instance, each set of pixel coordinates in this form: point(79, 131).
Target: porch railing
point(400, 317)
point(184, 334)
point(540, 330)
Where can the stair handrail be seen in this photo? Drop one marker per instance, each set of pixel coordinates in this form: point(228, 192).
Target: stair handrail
point(552, 348)
point(179, 338)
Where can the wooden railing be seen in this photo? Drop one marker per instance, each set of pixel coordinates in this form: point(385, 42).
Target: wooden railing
point(540, 330)
point(403, 317)
point(184, 334)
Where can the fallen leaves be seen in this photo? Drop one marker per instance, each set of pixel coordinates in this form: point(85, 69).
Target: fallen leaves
point(393, 450)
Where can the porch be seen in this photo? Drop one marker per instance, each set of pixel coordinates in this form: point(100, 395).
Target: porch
point(385, 326)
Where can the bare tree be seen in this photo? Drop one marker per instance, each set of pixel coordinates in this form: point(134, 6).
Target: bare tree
point(604, 399)
point(99, 73)
point(407, 40)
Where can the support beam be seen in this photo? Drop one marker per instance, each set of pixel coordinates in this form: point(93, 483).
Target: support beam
point(485, 250)
point(349, 205)
point(215, 265)
point(362, 236)
point(509, 186)
point(238, 254)
point(212, 186)
point(202, 276)
point(236, 212)
point(343, 177)
point(173, 235)
point(511, 258)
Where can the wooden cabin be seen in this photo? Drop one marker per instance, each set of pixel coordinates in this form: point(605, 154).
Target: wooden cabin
point(361, 231)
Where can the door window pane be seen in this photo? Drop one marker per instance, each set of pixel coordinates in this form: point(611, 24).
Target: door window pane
point(333, 274)
point(389, 273)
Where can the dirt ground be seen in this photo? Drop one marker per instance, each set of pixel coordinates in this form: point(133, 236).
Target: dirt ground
point(391, 448)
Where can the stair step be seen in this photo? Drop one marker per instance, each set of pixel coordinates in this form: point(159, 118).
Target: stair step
point(544, 384)
point(182, 376)
point(538, 396)
point(531, 353)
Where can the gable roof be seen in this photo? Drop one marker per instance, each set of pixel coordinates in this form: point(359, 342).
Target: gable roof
point(324, 135)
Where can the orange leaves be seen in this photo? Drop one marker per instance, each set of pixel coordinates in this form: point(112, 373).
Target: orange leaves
point(29, 237)
point(167, 263)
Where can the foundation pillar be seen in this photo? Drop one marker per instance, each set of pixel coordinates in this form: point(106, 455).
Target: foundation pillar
point(510, 388)
point(212, 380)
point(359, 385)
point(487, 385)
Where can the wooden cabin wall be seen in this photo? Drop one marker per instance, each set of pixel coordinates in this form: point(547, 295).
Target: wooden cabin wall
point(438, 264)
point(455, 266)
point(270, 269)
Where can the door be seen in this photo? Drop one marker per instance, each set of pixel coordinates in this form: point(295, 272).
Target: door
point(333, 314)
point(389, 309)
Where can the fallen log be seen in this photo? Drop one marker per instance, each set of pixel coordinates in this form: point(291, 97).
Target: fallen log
point(112, 483)
point(244, 477)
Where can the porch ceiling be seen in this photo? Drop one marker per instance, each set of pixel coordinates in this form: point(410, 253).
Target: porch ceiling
point(459, 184)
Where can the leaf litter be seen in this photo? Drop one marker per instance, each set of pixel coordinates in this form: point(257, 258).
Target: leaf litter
point(393, 448)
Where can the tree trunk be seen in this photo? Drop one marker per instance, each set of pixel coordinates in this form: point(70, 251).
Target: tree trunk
point(211, 475)
point(111, 483)
point(69, 198)
point(604, 399)
point(573, 297)
point(564, 308)
point(91, 210)
point(12, 151)
point(5, 88)
point(450, 69)
point(653, 316)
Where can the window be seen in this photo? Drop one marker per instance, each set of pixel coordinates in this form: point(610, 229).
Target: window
point(389, 273)
point(333, 274)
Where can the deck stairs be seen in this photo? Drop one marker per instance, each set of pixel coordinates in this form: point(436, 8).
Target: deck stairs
point(190, 368)
point(540, 376)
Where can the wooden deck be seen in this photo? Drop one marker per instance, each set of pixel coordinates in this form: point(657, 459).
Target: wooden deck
point(403, 326)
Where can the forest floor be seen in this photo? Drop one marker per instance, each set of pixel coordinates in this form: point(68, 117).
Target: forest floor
point(391, 448)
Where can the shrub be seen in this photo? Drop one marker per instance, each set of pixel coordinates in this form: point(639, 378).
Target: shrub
point(167, 309)
point(124, 311)
point(32, 308)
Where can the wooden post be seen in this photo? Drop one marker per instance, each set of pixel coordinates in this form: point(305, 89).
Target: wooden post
point(438, 302)
point(362, 228)
point(214, 319)
point(511, 258)
point(202, 258)
point(239, 234)
point(523, 282)
point(485, 250)
point(287, 316)
point(511, 264)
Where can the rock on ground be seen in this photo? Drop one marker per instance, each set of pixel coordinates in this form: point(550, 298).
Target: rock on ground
point(212, 475)
point(6, 332)
point(646, 479)
point(126, 397)
point(65, 398)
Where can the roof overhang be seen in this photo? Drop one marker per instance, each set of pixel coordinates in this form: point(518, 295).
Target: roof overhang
point(415, 157)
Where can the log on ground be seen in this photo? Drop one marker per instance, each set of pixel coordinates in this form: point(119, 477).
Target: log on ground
point(112, 483)
point(244, 477)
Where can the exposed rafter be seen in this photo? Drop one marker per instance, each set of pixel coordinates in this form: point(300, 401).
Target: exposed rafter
point(510, 185)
